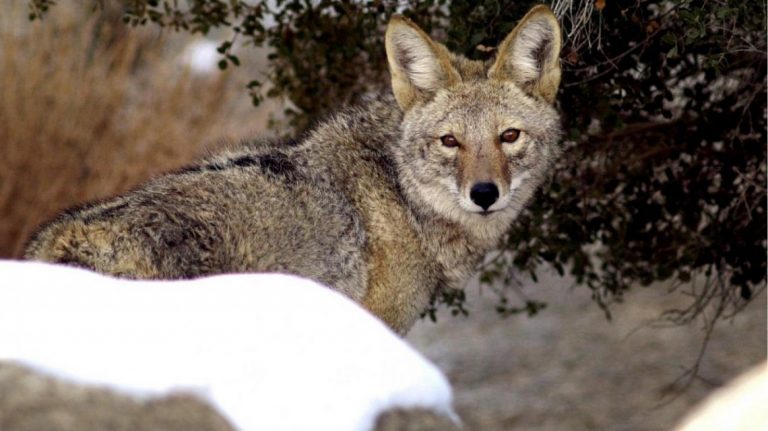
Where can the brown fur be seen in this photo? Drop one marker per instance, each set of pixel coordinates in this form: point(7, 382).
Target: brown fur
point(369, 202)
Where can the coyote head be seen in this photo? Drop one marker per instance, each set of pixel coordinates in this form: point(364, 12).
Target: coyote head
point(477, 138)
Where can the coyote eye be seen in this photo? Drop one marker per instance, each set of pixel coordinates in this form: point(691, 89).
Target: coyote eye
point(449, 141)
point(510, 135)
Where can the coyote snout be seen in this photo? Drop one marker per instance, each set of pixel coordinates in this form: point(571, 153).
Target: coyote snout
point(484, 195)
point(487, 197)
point(486, 176)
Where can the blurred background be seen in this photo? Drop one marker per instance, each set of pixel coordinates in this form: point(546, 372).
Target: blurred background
point(92, 106)
point(569, 369)
point(632, 286)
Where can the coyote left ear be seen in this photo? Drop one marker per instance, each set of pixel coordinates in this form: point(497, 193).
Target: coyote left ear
point(530, 54)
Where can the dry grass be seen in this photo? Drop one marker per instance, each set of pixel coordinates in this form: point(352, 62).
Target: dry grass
point(90, 108)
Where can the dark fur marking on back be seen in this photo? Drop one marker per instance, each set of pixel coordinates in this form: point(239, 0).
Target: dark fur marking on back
point(106, 213)
point(245, 161)
point(278, 164)
point(75, 210)
point(192, 169)
point(214, 167)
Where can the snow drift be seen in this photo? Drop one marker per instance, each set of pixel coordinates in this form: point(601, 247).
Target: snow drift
point(268, 351)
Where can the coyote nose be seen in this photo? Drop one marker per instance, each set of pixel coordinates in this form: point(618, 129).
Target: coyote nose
point(484, 194)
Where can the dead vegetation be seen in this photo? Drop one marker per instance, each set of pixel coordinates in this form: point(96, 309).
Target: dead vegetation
point(90, 108)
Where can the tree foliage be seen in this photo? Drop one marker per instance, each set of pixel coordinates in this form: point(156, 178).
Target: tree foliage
point(664, 105)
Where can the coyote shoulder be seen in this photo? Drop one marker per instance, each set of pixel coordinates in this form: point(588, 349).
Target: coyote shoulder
point(388, 202)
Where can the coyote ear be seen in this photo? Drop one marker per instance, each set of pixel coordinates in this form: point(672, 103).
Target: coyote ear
point(418, 65)
point(530, 54)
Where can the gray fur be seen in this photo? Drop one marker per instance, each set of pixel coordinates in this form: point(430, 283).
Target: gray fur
point(368, 202)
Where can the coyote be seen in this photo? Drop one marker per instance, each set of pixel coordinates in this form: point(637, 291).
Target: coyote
point(389, 201)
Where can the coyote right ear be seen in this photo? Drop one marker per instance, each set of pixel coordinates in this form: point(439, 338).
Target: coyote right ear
point(418, 65)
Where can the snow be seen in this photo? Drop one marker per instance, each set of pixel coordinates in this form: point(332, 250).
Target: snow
point(738, 406)
point(270, 351)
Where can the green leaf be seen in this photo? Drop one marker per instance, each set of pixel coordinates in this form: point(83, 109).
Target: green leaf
point(672, 53)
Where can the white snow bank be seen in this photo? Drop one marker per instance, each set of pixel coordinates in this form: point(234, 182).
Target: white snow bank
point(738, 406)
point(270, 351)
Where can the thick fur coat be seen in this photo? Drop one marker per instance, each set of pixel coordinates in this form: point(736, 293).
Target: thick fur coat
point(388, 202)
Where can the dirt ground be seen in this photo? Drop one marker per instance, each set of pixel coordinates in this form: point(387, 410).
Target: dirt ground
point(568, 368)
